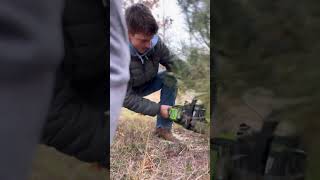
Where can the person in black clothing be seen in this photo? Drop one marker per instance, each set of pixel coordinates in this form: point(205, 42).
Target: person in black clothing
point(76, 124)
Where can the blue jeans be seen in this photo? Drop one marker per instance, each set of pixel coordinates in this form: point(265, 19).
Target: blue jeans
point(167, 96)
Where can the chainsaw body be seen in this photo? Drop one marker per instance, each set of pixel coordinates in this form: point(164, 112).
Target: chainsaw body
point(189, 115)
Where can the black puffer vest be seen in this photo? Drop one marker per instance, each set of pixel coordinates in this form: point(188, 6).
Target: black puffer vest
point(76, 124)
point(143, 68)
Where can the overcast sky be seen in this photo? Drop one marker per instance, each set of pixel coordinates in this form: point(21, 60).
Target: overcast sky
point(178, 30)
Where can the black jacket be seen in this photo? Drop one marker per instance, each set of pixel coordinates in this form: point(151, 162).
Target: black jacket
point(142, 71)
point(76, 124)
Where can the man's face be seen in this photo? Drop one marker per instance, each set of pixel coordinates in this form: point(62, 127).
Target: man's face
point(140, 41)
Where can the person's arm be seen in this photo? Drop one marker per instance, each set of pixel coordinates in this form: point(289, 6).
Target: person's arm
point(119, 63)
point(139, 104)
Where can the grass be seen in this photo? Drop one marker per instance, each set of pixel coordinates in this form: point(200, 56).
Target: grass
point(136, 153)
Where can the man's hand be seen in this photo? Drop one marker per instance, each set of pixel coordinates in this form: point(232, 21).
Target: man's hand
point(164, 111)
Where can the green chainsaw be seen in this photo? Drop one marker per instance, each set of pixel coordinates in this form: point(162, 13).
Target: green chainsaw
point(190, 115)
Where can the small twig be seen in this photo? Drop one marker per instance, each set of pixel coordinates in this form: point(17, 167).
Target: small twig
point(182, 150)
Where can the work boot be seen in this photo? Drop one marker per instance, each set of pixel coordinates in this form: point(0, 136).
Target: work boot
point(165, 134)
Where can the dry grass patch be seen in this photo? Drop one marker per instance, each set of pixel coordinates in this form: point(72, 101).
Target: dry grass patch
point(137, 154)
